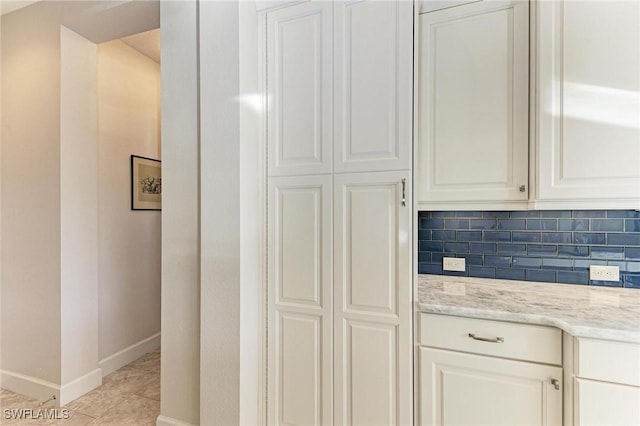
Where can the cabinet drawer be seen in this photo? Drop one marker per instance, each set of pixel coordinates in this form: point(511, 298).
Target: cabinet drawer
point(517, 341)
point(608, 361)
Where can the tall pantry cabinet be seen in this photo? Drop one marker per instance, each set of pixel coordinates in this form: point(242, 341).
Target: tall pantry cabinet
point(339, 120)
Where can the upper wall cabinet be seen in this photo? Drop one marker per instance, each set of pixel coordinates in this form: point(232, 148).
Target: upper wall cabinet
point(373, 90)
point(588, 106)
point(299, 88)
point(473, 105)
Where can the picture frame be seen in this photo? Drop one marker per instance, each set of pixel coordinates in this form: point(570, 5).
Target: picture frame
point(146, 183)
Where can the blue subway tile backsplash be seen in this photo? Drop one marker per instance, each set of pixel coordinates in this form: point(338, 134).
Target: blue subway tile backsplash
point(544, 246)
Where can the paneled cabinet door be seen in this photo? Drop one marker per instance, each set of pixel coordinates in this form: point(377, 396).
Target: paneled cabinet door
point(300, 301)
point(589, 101)
point(373, 90)
point(299, 75)
point(372, 298)
point(463, 389)
point(610, 404)
point(473, 103)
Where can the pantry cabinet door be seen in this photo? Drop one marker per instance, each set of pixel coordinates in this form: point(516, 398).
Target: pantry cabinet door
point(373, 90)
point(589, 102)
point(463, 389)
point(299, 74)
point(300, 301)
point(372, 299)
point(473, 104)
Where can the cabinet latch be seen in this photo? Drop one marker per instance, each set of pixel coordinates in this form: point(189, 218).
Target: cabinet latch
point(556, 384)
point(522, 188)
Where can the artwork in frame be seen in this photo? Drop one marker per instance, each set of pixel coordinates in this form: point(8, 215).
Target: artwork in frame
point(146, 183)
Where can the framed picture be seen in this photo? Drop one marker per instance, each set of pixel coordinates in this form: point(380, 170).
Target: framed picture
point(146, 183)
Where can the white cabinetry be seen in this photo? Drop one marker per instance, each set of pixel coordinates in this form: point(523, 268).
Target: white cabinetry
point(473, 105)
point(606, 383)
point(480, 372)
point(339, 145)
point(588, 104)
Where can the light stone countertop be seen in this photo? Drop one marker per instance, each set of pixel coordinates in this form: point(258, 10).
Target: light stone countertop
point(580, 310)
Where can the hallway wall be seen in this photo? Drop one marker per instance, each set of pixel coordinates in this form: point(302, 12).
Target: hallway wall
point(129, 241)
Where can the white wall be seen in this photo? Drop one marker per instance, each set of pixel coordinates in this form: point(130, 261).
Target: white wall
point(31, 194)
point(129, 241)
point(78, 210)
point(180, 371)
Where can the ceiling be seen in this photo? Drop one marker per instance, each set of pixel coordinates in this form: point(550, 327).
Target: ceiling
point(147, 43)
point(7, 6)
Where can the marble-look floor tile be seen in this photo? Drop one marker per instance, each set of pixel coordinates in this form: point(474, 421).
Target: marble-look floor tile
point(97, 402)
point(149, 362)
point(73, 419)
point(152, 391)
point(11, 400)
point(136, 411)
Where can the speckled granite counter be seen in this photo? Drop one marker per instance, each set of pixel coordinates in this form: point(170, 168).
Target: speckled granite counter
point(583, 311)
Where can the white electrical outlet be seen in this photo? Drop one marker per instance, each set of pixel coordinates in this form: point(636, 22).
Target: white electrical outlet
point(453, 264)
point(604, 273)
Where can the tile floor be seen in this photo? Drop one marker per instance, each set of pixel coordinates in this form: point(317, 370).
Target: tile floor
point(127, 397)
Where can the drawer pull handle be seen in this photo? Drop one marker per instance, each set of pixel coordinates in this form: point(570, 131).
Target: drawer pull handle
point(487, 339)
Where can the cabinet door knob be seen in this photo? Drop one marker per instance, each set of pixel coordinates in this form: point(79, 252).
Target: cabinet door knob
point(522, 188)
point(556, 384)
point(487, 339)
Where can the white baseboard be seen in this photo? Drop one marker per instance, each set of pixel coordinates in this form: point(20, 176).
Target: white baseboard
point(43, 390)
point(168, 421)
point(130, 354)
point(29, 386)
point(80, 386)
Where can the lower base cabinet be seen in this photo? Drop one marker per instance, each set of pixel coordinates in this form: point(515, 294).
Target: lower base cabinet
point(465, 389)
point(610, 404)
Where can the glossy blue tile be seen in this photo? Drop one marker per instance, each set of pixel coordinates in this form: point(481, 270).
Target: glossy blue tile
point(424, 215)
point(632, 225)
point(573, 251)
point(607, 225)
point(541, 275)
point(556, 263)
point(424, 234)
point(468, 214)
point(510, 274)
point(428, 268)
point(620, 264)
point(431, 224)
point(556, 237)
point(573, 224)
point(456, 223)
point(469, 236)
point(631, 214)
point(527, 262)
point(496, 235)
point(483, 224)
point(480, 272)
point(525, 214)
point(441, 215)
point(484, 248)
point(542, 224)
point(555, 214)
point(540, 250)
point(424, 256)
point(626, 239)
point(437, 258)
point(632, 280)
point(439, 235)
point(455, 273)
point(456, 247)
point(606, 252)
point(511, 224)
point(590, 213)
point(632, 252)
point(525, 237)
point(430, 246)
point(607, 283)
point(495, 215)
point(633, 267)
point(497, 261)
point(586, 263)
point(474, 259)
point(573, 277)
point(588, 238)
point(512, 249)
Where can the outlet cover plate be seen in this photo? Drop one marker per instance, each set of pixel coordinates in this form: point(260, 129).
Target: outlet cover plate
point(456, 264)
point(604, 273)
